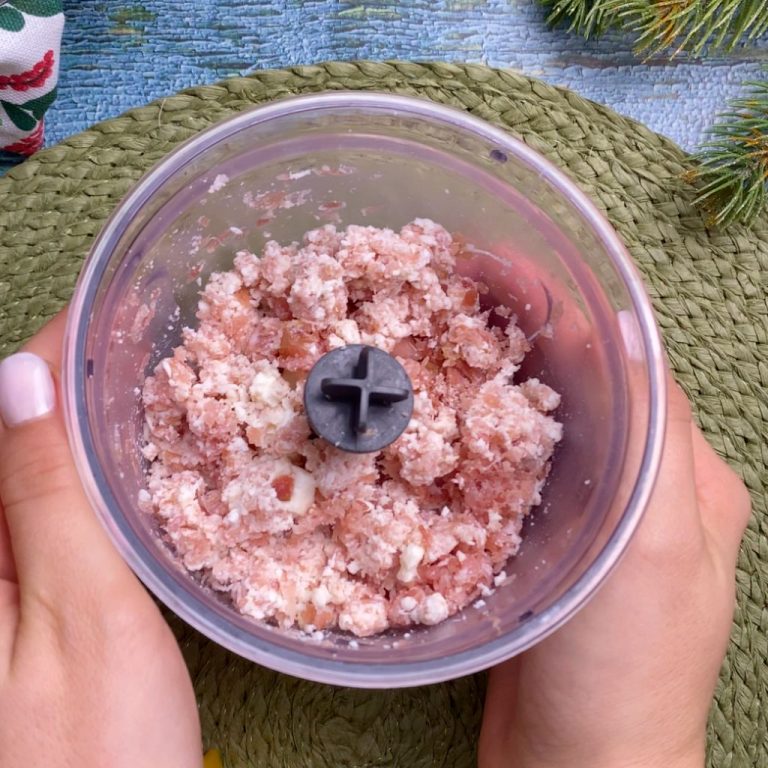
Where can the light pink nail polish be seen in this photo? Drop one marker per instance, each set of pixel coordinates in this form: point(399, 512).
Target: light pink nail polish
point(27, 391)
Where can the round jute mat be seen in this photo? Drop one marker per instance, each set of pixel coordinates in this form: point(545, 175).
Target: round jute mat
point(709, 289)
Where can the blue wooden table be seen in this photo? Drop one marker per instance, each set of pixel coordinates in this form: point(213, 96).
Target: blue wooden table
point(117, 55)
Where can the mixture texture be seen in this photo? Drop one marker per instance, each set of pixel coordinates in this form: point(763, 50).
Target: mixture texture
point(301, 534)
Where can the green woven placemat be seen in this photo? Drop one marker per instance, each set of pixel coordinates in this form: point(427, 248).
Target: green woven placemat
point(709, 290)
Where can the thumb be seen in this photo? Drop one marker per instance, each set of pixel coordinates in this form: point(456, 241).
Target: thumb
point(63, 557)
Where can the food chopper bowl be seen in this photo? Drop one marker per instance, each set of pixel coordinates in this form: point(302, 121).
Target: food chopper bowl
point(529, 234)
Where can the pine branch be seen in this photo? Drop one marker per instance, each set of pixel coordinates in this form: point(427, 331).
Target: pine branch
point(684, 25)
point(587, 17)
point(733, 164)
point(690, 25)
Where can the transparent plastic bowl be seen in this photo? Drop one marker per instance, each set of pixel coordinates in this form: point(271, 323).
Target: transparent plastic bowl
point(381, 160)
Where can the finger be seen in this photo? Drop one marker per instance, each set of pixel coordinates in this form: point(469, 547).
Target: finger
point(60, 550)
point(679, 420)
point(671, 519)
point(724, 501)
point(499, 713)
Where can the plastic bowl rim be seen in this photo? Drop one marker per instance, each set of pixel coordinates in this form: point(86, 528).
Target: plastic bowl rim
point(191, 609)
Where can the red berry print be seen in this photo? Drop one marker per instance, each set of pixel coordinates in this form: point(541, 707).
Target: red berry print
point(32, 78)
point(29, 145)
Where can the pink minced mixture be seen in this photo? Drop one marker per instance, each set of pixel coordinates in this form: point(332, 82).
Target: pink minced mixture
point(301, 534)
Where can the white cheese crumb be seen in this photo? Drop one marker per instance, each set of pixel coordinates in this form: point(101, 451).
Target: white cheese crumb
point(410, 558)
point(321, 596)
point(408, 603)
point(268, 387)
point(494, 520)
point(219, 182)
point(434, 609)
point(150, 452)
point(500, 578)
point(303, 496)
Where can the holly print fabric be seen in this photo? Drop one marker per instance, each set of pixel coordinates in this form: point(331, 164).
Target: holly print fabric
point(30, 42)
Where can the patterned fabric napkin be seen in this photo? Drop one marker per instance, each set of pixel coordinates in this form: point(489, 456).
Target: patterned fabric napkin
point(30, 41)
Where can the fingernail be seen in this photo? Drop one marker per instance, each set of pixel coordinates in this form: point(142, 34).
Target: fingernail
point(27, 391)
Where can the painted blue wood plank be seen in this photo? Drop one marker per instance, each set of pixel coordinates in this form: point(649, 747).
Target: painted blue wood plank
point(122, 54)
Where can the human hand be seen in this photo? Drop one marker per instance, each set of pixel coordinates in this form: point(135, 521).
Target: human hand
point(90, 674)
point(629, 680)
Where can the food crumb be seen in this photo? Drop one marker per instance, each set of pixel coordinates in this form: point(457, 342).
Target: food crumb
point(218, 183)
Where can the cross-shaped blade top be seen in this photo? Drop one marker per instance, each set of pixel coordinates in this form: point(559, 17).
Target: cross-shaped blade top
point(358, 398)
point(362, 390)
